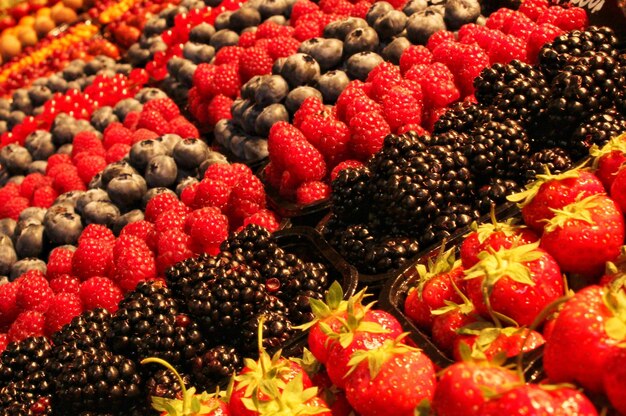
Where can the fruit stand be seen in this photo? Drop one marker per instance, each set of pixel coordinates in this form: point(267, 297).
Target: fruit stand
point(296, 207)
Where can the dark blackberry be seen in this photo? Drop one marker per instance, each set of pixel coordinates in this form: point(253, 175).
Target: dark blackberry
point(223, 304)
point(183, 276)
point(22, 359)
point(499, 149)
point(216, 365)
point(555, 159)
point(620, 83)
point(492, 81)
point(280, 267)
point(254, 243)
point(277, 330)
point(597, 130)
point(350, 196)
point(100, 381)
point(451, 139)
point(567, 48)
point(163, 383)
point(494, 193)
point(87, 330)
point(457, 182)
point(450, 220)
point(299, 307)
point(521, 100)
point(14, 401)
point(462, 117)
point(308, 277)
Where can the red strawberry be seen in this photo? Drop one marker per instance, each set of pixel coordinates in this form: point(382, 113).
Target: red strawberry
point(614, 379)
point(584, 235)
point(554, 192)
point(390, 379)
point(461, 387)
point(618, 189)
point(449, 319)
point(608, 160)
point(34, 292)
point(518, 282)
point(100, 292)
point(27, 324)
point(64, 307)
point(488, 342)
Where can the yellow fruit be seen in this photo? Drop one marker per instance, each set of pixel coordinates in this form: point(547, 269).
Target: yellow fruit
point(26, 21)
point(27, 36)
point(44, 11)
point(43, 25)
point(63, 15)
point(73, 4)
point(9, 46)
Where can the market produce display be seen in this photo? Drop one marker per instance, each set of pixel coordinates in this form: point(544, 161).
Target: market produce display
point(200, 202)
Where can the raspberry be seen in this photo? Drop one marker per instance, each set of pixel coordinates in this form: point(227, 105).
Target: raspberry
point(184, 128)
point(209, 231)
point(414, 54)
point(153, 120)
point(521, 28)
point(65, 284)
point(219, 108)
point(161, 203)
point(310, 192)
point(383, 78)
point(363, 105)
point(269, 30)
point(131, 120)
point(401, 107)
point(282, 46)
point(68, 181)
point(438, 38)
point(342, 7)
point(118, 135)
point(254, 61)
point(506, 48)
point(134, 266)
point(8, 304)
point(281, 138)
point(246, 198)
point(199, 213)
point(142, 229)
point(144, 134)
point(265, 218)
point(212, 193)
point(64, 307)
point(541, 35)
point(246, 40)
point(164, 106)
point(305, 162)
point(31, 182)
point(533, 8)
point(172, 219)
point(302, 8)
point(130, 242)
point(100, 292)
point(57, 159)
point(89, 166)
point(368, 130)
point(175, 240)
point(27, 324)
point(61, 168)
point(203, 77)
point(13, 207)
point(309, 106)
point(188, 195)
point(44, 197)
point(87, 141)
point(437, 84)
point(346, 164)
point(97, 232)
point(230, 54)
point(59, 262)
point(4, 341)
point(307, 30)
point(225, 80)
point(567, 19)
point(333, 140)
point(497, 19)
point(421, 131)
point(116, 152)
point(474, 61)
point(92, 258)
point(34, 292)
point(354, 91)
point(8, 192)
point(169, 258)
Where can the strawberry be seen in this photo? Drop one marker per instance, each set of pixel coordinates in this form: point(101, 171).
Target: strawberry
point(390, 379)
point(614, 379)
point(518, 283)
point(608, 160)
point(461, 387)
point(481, 340)
point(449, 319)
point(618, 189)
point(435, 286)
point(554, 192)
point(584, 235)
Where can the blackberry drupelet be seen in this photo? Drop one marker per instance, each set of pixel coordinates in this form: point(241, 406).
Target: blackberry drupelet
point(462, 117)
point(14, 401)
point(451, 139)
point(163, 383)
point(555, 159)
point(254, 243)
point(620, 83)
point(183, 276)
point(22, 359)
point(277, 330)
point(597, 130)
point(499, 149)
point(216, 365)
point(350, 194)
point(493, 80)
point(494, 193)
point(309, 277)
point(87, 330)
point(521, 100)
point(280, 267)
point(100, 381)
point(450, 220)
point(299, 307)
point(457, 181)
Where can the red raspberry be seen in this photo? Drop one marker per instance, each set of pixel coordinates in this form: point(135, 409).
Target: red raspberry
point(97, 232)
point(521, 28)
point(100, 292)
point(269, 30)
point(64, 307)
point(27, 324)
point(533, 8)
point(333, 140)
point(87, 141)
point(92, 258)
point(131, 120)
point(305, 162)
point(383, 78)
point(134, 266)
point(169, 258)
point(219, 108)
point(13, 207)
point(401, 107)
point(540, 36)
point(437, 84)
point(142, 229)
point(161, 203)
point(175, 240)
point(307, 30)
point(311, 192)
point(172, 219)
point(341, 7)
point(34, 292)
point(199, 213)
point(144, 134)
point(164, 106)
point(184, 128)
point(212, 193)
point(506, 48)
point(57, 159)
point(65, 284)
point(8, 304)
point(497, 19)
point(246, 40)
point(203, 77)
point(68, 181)
point(31, 182)
point(309, 106)
point(346, 164)
point(4, 341)
point(474, 61)
point(265, 218)
point(282, 46)
point(311, 127)
point(59, 262)
point(354, 91)
point(44, 197)
point(438, 38)
point(246, 198)
point(302, 8)
point(254, 61)
point(414, 54)
point(223, 172)
point(153, 120)
point(272, 175)
point(281, 138)
point(421, 131)
point(116, 152)
point(363, 105)
point(225, 80)
point(368, 133)
point(230, 54)
point(8, 192)
point(188, 195)
point(567, 19)
point(89, 166)
point(209, 231)
point(130, 242)
point(118, 135)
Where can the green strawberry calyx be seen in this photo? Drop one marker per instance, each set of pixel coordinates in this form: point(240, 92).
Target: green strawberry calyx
point(444, 262)
point(616, 144)
point(525, 197)
point(377, 357)
point(576, 211)
point(190, 404)
point(466, 307)
point(486, 334)
point(615, 301)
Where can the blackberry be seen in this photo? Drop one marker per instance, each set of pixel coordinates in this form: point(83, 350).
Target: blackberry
point(223, 304)
point(277, 330)
point(309, 277)
point(461, 117)
point(100, 381)
point(570, 46)
point(451, 139)
point(216, 365)
point(492, 81)
point(299, 307)
point(280, 267)
point(494, 193)
point(163, 383)
point(521, 100)
point(555, 159)
point(87, 330)
point(450, 220)
point(350, 196)
point(499, 149)
point(22, 359)
point(620, 83)
point(254, 243)
point(183, 276)
point(597, 130)
point(14, 401)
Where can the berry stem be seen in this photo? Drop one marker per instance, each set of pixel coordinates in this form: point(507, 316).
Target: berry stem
point(167, 365)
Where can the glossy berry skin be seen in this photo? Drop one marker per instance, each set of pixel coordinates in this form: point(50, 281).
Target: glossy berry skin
point(618, 189)
point(614, 379)
point(474, 243)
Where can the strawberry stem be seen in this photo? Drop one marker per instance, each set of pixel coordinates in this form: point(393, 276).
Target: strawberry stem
point(167, 365)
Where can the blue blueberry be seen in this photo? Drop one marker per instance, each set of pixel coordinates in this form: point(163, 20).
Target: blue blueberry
point(255, 149)
point(30, 241)
point(270, 115)
point(244, 17)
point(362, 39)
point(8, 257)
point(161, 171)
point(15, 117)
point(393, 51)
point(91, 195)
point(339, 29)
point(15, 158)
point(360, 64)
point(63, 227)
point(56, 83)
point(460, 12)
point(5, 103)
point(174, 65)
point(202, 33)
point(148, 94)
point(21, 101)
point(249, 88)
point(39, 94)
point(223, 38)
point(74, 70)
point(138, 56)
point(36, 213)
point(100, 212)
point(38, 166)
point(223, 131)
point(189, 153)
point(236, 145)
point(39, 144)
point(278, 19)
point(22, 266)
point(222, 21)
point(271, 89)
point(141, 152)
point(422, 25)
point(7, 226)
point(99, 63)
point(390, 24)
point(68, 199)
point(115, 169)
point(125, 219)
point(16, 179)
point(65, 149)
point(415, 6)
point(170, 141)
point(327, 52)
point(198, 53)
point(102, 117)
point(331, 84)
point(277, 66)
point(297, 96)
point(300, 69)
point(127, 190)
point(185, 74)
point(271, 8)
point(377, 10)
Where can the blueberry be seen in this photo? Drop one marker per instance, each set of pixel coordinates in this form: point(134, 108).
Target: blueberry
point(255, 149)
point(270, 115)
point(154, 192)
point(127, 190)
point(277, 66)
point(39, 95)
point(5, 114)
point(63, 129)
point(249, 118)
point(8, 257)
point(36, 213)
point(198, 53)
point(244, 17)
point(238, 108)
point(148, 94)
point(5, 240)
point(98, 63)
point(138, 56)
point(271, 89)
point(279, 20)
point(249, 88)
point(39, 144)
point(141, 152)
point(68, 199)
point(7, 226)
point(63, 228)
point(339, 29)
point(327, 52)
point(360, 65)
point(189, 153)
point(202, 33)
point(390, 24)
point(115, 169)
point(422, 25)
point(65, 149)
point(15, 158)
point(223, 38)
point(214, 157)
point(102, 117)
point(185, 182)
point(99, 212)
point(38, 166)
point(21, 101)
point(331, 84)
point(125, 219)
point(157, 45)
point(74, 70)
point(297, 96)
point(89, 196)
point(300, 69)
point(16, 179)
point(161, 171)
point(223, 131)
point(393, 51)
point(185, 75)
point(236, 145)
point(22, 266)
point(5, 103)
point(170, 141)
point(415, 6)
point(174, 65)
point(96, 182)
point(271, 8)
point(15, 118)
point(460, 12)
point(362, 39)
point(222, 21)
point(377, 10)
point(56, 83)
point(30, 241)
